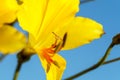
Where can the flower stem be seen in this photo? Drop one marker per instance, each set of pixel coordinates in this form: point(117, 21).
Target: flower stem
point(101, 62)
point(19, 65)
point(22, 58)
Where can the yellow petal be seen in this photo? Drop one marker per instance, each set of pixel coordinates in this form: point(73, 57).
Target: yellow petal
point(8, 9)
point(54, 73)
point(11, 40)
point(82, 31)
point(42, 17)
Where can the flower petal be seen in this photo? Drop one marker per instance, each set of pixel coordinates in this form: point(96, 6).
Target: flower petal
point(42, 17)
point(8, 9)
point(11, 40)
point(82, 31)
point(54, 73)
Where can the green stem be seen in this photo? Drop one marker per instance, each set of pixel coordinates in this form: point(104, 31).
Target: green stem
point(94, 66)
point(19, 65)
point(22, 58)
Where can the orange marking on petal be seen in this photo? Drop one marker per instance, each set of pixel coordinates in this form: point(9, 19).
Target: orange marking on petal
point(47, 54)
point(47, 57)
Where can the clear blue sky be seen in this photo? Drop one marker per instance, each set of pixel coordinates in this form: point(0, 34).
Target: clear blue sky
point(106, 12)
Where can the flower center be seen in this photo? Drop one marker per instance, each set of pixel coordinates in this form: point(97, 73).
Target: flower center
point(48, 53)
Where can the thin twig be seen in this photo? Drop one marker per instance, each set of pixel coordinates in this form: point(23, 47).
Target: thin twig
point(86, 1)
point(115, 41)
point(111, 61)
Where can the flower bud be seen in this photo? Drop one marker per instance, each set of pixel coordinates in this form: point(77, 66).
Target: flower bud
point(116, 39)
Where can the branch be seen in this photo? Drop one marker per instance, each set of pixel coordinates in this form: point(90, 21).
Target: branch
point(107, 62)
point(115, 41)
point(111, 61)
point(94, 66)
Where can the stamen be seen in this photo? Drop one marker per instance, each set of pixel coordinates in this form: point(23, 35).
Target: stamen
point(64, 39)
point(48, 67)
point(58, 48)
point(20, 2)
point(48, 53)
point(61, 44)
point(56, 64)
point(56, 36)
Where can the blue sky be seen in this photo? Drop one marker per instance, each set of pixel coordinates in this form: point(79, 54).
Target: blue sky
point(106, 12)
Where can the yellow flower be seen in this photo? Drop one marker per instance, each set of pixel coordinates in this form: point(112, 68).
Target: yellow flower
point(53, 26)
point(8, 9)
point(11, 40)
